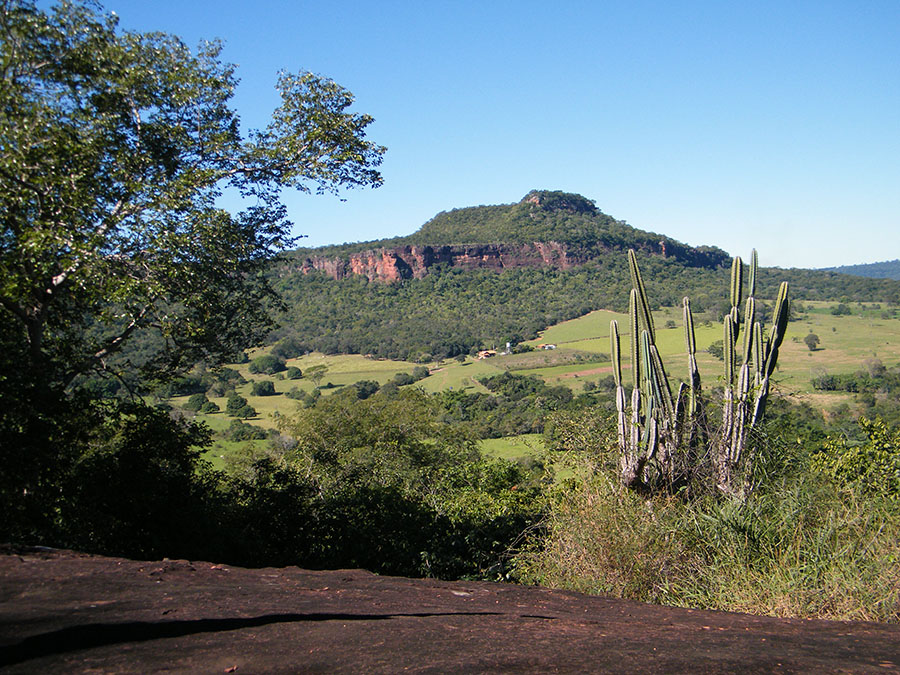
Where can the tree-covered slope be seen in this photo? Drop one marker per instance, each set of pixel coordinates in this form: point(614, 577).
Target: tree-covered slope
point(453, 310)
point(890, 269)
point(541, 216)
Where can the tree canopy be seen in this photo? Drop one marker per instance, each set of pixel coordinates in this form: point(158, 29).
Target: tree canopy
point(115, 256)
point(115, 148)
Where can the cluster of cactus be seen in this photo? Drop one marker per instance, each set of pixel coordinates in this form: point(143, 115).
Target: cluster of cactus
point(664, 437)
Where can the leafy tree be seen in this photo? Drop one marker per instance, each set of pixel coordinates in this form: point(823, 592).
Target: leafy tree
point(316, 373)
point(288, 348)
point(195, 402)
point(812, 341)
point(294, 373)
point(239, 431)
point(115, 147)
point(237, 406)
point(209, 407)
point(264, 388)
point(266, 364)
point(365, 388)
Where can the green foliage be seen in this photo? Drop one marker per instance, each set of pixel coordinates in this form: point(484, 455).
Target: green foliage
point(294, 373)
point(237, 406)
point(263, 388)
point(137, 487)
point(266, 365)
point(841, 310)
point(239, 431)
point(209, 408)
point(889, 269)
point(195, 402)
point(115, 261)
point(288, 348)
point(811, 340)
point(875, 381)
point(365, 388)
point(377, 459)
point(116, 146)
point(316, 373)
point(872, 465)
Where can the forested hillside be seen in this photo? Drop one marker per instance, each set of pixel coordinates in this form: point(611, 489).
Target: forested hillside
point(454, 310)
point(890, 269)
point(541, 216)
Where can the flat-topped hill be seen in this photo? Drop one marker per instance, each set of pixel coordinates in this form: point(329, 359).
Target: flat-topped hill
point(544, 229)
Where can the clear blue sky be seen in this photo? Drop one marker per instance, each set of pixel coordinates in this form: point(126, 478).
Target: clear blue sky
point(773, 124)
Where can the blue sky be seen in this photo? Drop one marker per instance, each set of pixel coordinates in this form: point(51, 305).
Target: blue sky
point(770, 124)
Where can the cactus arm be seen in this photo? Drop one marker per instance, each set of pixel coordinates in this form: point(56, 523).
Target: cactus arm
point(635, 339)
point(754, 265)
point(728, 352)
point(637, 283)
point(621, 421)
point(757, 352)
point(750, 322)
point(614, 349)
point(693, 372)
point(737, 289)
point(779, 327)
point(661, 382)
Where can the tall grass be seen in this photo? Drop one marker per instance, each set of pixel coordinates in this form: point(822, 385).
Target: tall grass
point(800, 547)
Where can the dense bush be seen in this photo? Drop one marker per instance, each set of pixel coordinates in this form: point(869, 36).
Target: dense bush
point(237, 406)
point(266, 365)
point(263, 388)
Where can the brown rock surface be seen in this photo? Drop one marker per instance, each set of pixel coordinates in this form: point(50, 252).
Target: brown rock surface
point(67, 612)
point(408, 262)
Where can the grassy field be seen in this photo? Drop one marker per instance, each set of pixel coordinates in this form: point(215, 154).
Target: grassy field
point(846, 343)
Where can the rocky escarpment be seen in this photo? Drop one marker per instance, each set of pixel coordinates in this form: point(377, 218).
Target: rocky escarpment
point(545, 229)
point(413, 262)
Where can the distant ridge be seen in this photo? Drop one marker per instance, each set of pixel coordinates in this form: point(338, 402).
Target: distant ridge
point(890, 269)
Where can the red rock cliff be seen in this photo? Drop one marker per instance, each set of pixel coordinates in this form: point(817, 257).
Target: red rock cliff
point(413, 262)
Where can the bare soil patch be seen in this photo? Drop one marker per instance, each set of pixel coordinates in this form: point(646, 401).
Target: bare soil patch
point(62, 611)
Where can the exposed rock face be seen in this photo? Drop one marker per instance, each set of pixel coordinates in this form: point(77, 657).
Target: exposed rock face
point(413, 262)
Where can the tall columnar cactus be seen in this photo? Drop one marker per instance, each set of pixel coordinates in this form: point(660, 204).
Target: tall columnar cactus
point(664, 436)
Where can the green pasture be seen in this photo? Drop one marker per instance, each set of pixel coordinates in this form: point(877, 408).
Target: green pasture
point(219, 452)
point(513, 447)
point(454, 375)
point(846, 342)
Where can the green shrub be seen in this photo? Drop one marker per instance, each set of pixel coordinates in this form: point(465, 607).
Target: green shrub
point(195, 402)
point(209, 407)
point(872, 466)
point(237, 406)
point(263, 388)
point(239, 431)
point(266, 365)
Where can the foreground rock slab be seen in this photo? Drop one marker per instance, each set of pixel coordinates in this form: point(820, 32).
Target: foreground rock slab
point(62, 611)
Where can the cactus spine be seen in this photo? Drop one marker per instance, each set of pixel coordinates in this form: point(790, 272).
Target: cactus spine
point(663, 438)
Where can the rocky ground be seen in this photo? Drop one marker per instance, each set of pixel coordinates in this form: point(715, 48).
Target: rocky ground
point(62, 611)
